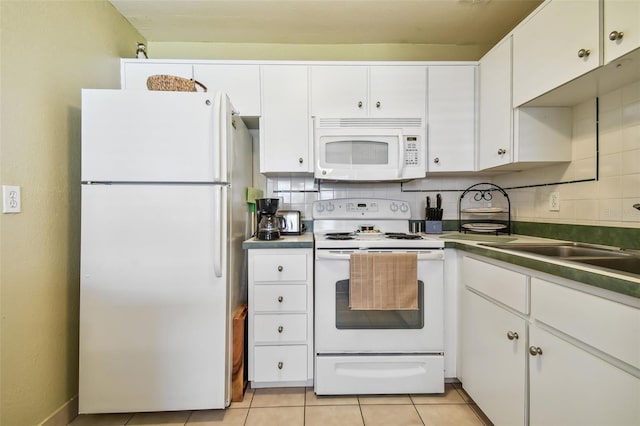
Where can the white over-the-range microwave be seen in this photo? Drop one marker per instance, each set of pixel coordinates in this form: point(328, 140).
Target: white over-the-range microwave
point(369, 149)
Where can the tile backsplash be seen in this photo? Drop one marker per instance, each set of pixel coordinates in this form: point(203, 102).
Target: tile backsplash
point(598, 187)
point(602, 182)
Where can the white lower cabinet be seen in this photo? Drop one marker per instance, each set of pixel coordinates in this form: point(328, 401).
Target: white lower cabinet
point(571, 386)
point(493, 359)
point(280, 317)
point(573, 360)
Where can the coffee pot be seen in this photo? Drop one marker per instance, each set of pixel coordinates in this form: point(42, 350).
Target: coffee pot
point(269, 224)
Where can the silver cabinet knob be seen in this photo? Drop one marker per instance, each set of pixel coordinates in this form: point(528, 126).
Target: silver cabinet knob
point(280, 268)
point(300, 160)
point(583, 53)
point(511, 335)
point(280, 329)
point(378, 104)
point(280, 365)
point(535, 350)
point(280, 299)
point(615, 35)
point(502, 151)
point(436, 160)
point(360, 104)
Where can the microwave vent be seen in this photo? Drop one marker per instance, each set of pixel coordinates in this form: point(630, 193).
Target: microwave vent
point(369, 122)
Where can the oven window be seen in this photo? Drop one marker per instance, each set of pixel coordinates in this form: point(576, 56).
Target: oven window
point(346, 319)
point(357, 152)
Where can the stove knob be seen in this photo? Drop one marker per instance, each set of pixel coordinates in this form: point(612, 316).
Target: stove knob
point(330, 207)
point(320, 207)
point(393, 207)
point(404, 208)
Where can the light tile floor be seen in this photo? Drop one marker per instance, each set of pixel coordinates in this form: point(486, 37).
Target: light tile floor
point(301, 407)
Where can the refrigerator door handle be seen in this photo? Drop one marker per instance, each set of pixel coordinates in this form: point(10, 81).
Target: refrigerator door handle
point(217, 237)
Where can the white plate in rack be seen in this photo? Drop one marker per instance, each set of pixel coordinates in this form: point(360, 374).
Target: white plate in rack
point(484, 227)
point(485, 210)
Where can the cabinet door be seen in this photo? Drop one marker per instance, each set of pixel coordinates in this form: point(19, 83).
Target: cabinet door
point(135, 74)
point(550, 48)
point(493, 366)
point(285, 142)
point(569, 386)
point(240, 82)
point(397, 91)
point(495, 112)
point(621, 28)
point(339, 91)
point(451, 118)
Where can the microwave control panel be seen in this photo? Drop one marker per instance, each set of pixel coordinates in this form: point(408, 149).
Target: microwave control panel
point(411, 151)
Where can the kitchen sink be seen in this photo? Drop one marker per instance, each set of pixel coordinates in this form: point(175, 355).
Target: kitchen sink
point(611, 259)
point(629, 264)
point(558, 249)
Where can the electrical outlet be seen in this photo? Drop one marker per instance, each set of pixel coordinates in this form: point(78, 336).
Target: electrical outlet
point(554, 202)
point(10, 199)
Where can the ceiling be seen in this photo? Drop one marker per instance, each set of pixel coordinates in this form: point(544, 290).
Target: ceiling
point(450, 22)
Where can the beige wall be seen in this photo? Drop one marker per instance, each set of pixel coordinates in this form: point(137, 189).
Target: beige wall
point(49, 51)
point(316, 52)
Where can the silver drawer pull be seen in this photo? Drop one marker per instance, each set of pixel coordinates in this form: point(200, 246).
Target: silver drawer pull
point(511, 335)
point(280, 329)
point(280, 365)
point(280, 268)
point(280, 299)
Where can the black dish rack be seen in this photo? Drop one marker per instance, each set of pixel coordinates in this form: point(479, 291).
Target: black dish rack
point(484, 208)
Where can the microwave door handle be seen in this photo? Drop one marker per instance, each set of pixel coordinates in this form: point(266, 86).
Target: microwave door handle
point(400, 154)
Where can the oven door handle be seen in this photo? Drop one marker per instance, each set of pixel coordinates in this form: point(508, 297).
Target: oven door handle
point(422, 255)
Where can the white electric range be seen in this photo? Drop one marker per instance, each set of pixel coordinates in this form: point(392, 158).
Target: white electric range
point(375, 351)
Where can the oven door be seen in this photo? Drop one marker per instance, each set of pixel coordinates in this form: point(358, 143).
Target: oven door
point(339, 329)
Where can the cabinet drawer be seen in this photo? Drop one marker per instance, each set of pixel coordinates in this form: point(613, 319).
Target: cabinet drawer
point(279, 267)
point(501, 284)
point(280, 328)
point(280, 363)
point(609, 326)
point(280, 298)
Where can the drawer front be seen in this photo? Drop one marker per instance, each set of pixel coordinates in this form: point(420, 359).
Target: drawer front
point(609, 326)
point(280, 298)
point(285, 328)
point(280, 363)
point(279, 267)
point(503, 285)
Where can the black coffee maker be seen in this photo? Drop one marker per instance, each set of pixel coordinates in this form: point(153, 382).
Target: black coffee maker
point(269, 225)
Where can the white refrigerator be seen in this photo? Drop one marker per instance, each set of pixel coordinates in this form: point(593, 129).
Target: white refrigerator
point(164, 215)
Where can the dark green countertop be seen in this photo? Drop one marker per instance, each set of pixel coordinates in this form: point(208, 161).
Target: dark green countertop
point(285, 241)
point(581, 273)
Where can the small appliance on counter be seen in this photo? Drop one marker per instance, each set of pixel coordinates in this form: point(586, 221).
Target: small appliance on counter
point(292, 222)
point(269, 224)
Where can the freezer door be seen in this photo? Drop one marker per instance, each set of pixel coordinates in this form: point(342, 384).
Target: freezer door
point(153, 310)
point(153, 136)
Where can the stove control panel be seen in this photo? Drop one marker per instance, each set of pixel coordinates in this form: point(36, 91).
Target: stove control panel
point(361, 208)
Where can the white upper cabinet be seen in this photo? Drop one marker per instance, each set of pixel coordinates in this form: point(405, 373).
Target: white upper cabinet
point(621, 29)
point(495, 112)
point(241, 82)
point(397, 91)
point(520, 138)
point(368, 91)
point(451, 119)
point(285, 142)
point(559, 42)
point(135, 73)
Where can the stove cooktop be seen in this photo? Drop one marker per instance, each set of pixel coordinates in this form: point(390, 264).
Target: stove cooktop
point(366, 223)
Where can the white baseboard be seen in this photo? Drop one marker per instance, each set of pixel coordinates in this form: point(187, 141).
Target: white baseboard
point(63, 415)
